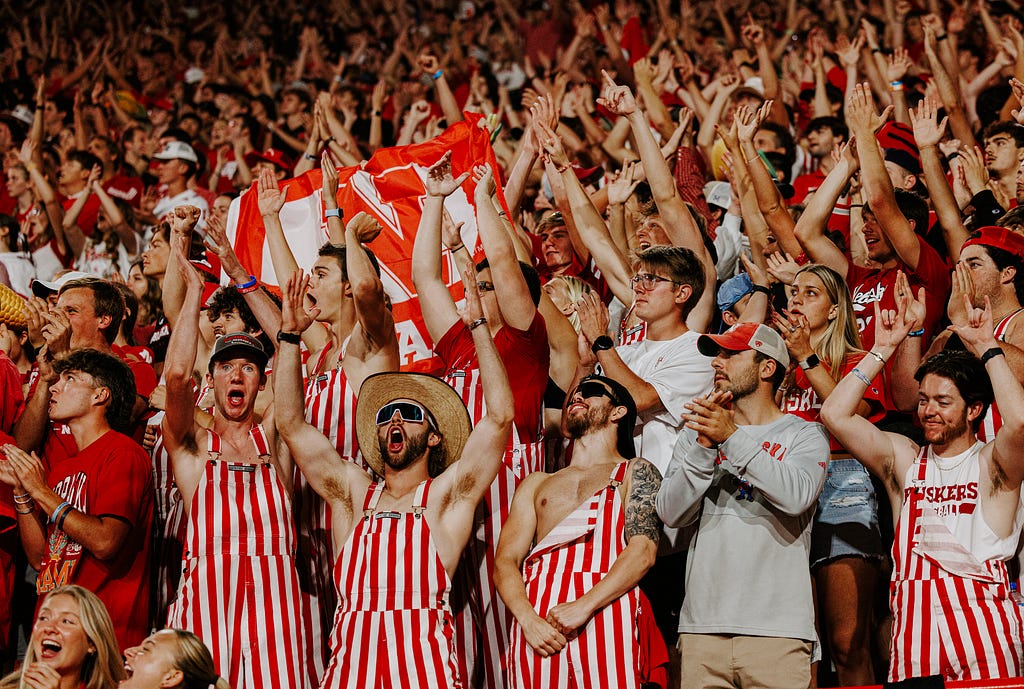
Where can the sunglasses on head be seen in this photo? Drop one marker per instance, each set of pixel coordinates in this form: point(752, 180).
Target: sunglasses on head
point(409, 412)
point(593, 388)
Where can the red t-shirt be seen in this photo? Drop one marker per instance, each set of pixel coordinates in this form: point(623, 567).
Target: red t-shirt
point(110, 478)
point(525, 355)
point(870, 285)
point(89, 215)
point(128, 189)
point(804, 402)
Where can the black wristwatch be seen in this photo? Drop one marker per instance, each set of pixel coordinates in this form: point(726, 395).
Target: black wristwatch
point(601, 343)
point(810, 362)
point(290, 338)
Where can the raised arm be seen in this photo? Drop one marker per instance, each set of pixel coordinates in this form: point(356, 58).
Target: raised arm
point(810, 228)
point(312, 452)
point(879, 194)
point(927, 133)
point(885, 455)
point(510, 288)
point(449, 106)
point(470, 477)
point(181, 359)
point(436, 304)
point(367, 289)
point(977, 334)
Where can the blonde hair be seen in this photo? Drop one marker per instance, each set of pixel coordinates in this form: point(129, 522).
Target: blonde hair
point(103, 668)
point(841, 337)
point(193, 659)
point(575, 288)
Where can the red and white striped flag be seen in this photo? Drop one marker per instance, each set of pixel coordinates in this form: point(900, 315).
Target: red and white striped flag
point(389, 186)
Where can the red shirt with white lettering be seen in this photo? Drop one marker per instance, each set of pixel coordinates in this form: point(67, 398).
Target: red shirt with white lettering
point(110, 478)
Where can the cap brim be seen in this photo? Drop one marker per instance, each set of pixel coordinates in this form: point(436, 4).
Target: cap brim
point(710, 345)
point(443, 403)
point(244, 351)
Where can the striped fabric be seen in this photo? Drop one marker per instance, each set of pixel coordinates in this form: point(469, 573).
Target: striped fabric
point(482, 622)
point(992, 422)
point(239, 591)
point(944, 623)
point(168, 526)
point(330, 404)
point(565, 564)
point(393, 627)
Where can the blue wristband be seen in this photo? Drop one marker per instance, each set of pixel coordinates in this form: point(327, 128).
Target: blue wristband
point(57, 509)
point(861, 377)
point(916, 333)
point(251, 283)
point(437, 75)
point(333, 213)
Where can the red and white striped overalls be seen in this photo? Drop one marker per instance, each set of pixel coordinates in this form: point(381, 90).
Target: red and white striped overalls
point(992, 422)
point(239, 591)
point(393, 627)
point(576, 554)
point(330, 404)
point(488, 621)
point(168, 525)
point(944, 623)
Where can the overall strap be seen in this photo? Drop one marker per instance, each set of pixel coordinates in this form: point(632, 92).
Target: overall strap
point(419, 501)
point(212, 445)
point(373, 493)
point(259, 439)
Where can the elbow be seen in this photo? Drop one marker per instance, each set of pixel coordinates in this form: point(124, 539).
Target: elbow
point(828, 414)
point(106, 549)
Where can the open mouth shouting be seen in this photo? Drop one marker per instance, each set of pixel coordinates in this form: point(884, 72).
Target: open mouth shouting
point(49, 648)
point(396, 440)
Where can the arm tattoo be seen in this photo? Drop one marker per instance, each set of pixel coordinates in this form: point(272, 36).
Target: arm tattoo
point(641, 517)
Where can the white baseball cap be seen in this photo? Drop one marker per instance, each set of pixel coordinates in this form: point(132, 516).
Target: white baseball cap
point(177, 150)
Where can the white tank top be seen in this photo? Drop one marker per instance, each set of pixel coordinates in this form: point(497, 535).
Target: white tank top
point(951, 488)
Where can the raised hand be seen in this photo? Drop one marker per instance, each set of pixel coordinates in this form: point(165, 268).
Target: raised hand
point(848, 51)
point(472, 311)
point(183, 220)
point(1018, 91)
point(294, 316)
point(796, 333)
point(972, 161)
point(962, 285)
point(621, 187)
point(861, 114)
point(451, 232)
point(897, 64)
point(428, 63)
point(439, 181)
point(927, 131)
point(270, 197)
point(552, 144)
point(976, 332)
point(618, 99)
point(782, 267)
point(365, 227)
point(484, 178)
point(594, 318)
point(329, 182)
point(748, 120)
point(217, 241)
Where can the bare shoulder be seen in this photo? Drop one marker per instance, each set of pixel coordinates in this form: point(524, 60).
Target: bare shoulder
point(904, 453)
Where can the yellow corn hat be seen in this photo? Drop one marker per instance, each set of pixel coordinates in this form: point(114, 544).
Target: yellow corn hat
point(12, 308)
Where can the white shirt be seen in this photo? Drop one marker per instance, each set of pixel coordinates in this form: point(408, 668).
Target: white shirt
point(186, 198)
point(679, 373)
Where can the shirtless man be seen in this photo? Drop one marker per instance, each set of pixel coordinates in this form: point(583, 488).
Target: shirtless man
point(394, 618)
point(587, 534)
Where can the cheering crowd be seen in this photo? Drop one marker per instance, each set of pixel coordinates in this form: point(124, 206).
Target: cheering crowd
point(723, 333)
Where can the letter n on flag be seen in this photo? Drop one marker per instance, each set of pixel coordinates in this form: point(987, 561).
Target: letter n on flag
point(389, 186)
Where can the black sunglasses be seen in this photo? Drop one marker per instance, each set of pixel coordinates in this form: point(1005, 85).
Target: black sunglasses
point(408, 411)
point(593, 388)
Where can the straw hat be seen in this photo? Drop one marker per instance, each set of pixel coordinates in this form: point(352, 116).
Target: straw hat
point(443, 403)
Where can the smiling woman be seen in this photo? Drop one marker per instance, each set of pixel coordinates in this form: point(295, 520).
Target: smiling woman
point(171, 658)
point(72, 645)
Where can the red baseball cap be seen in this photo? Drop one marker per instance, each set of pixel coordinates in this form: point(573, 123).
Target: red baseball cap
point(273, 156)
point(744, 336)
point(998, 237)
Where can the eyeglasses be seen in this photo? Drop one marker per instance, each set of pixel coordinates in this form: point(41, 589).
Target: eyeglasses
point(483, 286)
point(648, 280)
point(409, 412)
point(593, 388)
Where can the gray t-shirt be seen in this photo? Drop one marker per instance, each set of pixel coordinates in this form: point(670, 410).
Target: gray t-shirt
point(747, 568)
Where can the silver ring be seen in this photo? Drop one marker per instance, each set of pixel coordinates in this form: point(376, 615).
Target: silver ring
point(792, 329)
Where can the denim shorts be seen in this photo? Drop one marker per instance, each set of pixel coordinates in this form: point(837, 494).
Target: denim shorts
point(846, 522)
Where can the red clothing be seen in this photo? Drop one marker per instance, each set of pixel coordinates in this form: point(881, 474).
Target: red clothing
point(12, 399)
point(805, 184)
point(804, 402)
point(110, 478)
point(128, 189)
point(870, 285)
point(525, 355)
point(89, 215)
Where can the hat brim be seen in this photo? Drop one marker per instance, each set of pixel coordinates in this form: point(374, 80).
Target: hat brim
point(443, 403)
point(243, 351)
